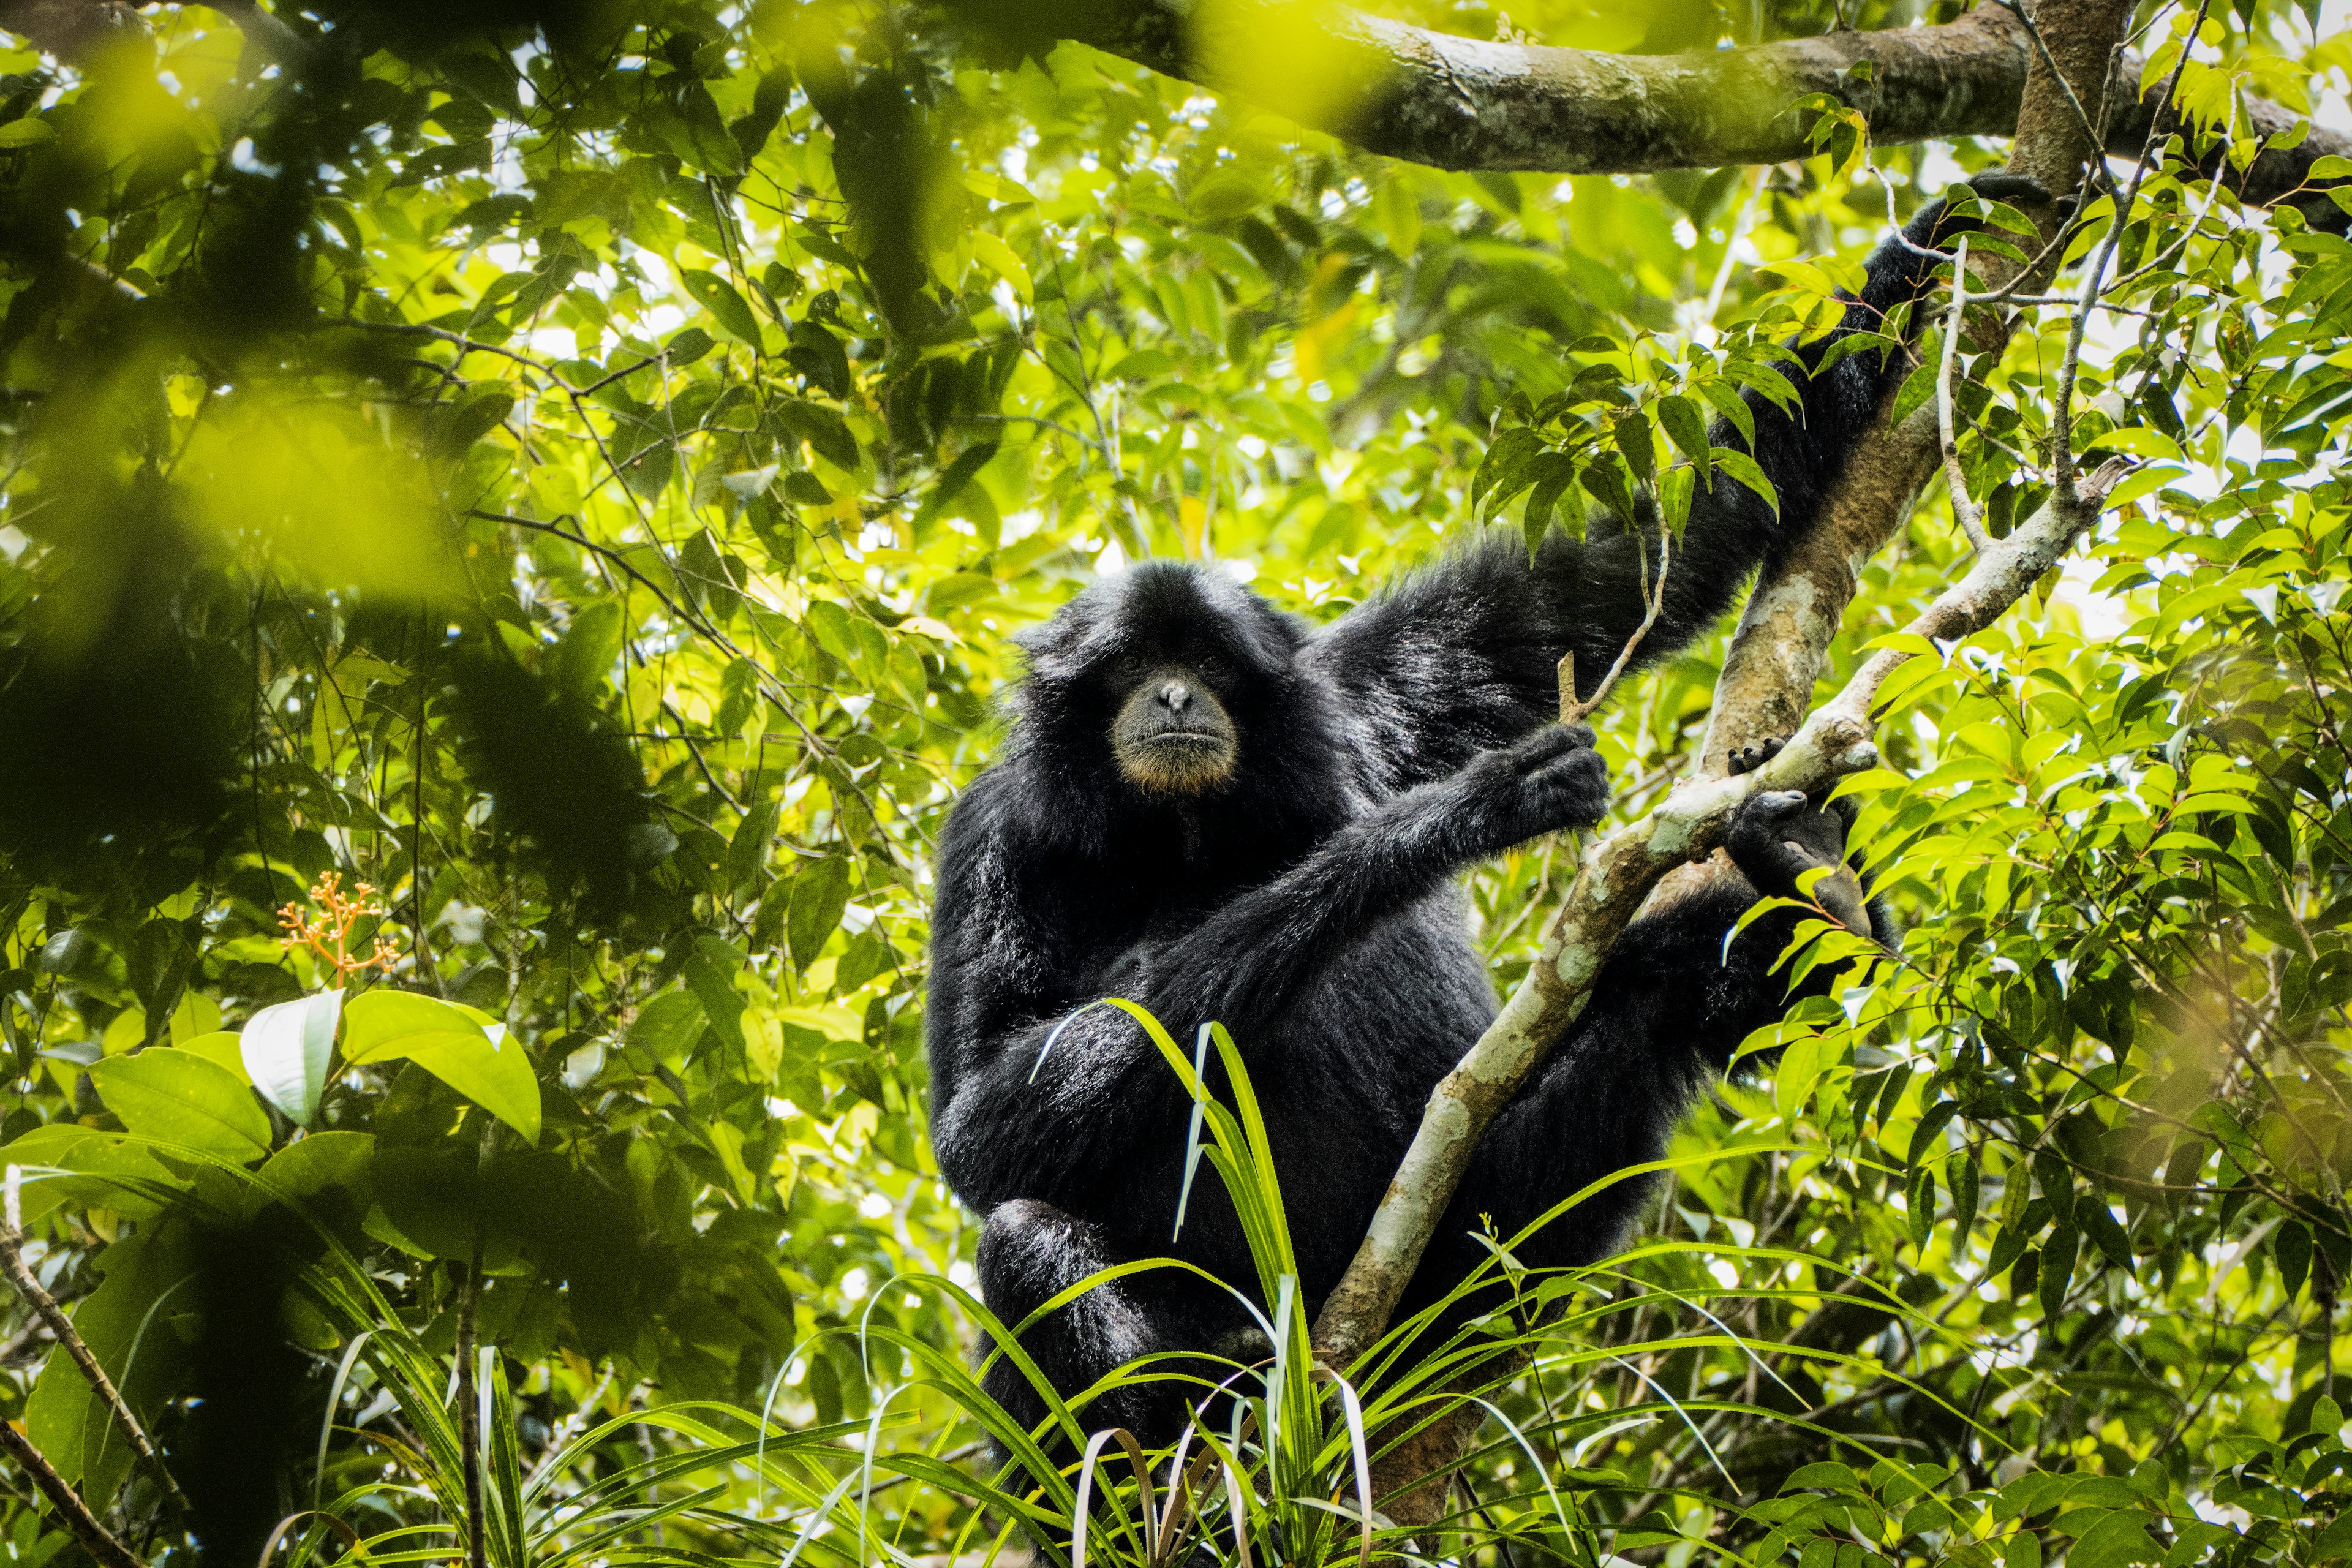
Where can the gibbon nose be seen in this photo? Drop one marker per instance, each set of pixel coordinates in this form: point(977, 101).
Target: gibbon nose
point(1175, 696)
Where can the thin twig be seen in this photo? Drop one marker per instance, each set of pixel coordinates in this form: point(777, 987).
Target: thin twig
point(2070, 303)
point(1964, 507)
point(2062, 444)
point(94, 1537)
point(1571, 712)
point(44, 1306)
point(2096, 139)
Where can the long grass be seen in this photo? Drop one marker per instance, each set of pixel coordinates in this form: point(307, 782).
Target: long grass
point(1283, 1476)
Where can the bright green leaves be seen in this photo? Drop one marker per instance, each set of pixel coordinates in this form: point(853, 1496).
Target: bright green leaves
point(727, 307)
point(1590, 438)
point(286, 1050)
point(1686, 426)
point(1502, 472)
point(667, 1026)
point(178, 1098)
point(820, 891)
point(460, 1045)
point(685, 121)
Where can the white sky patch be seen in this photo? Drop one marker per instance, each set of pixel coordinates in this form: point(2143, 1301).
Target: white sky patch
point(2103, 616)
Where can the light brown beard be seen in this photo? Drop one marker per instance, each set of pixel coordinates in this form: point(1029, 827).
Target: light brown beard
point(1177, 764)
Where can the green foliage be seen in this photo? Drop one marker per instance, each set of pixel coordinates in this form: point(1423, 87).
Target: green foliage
point(578, 471)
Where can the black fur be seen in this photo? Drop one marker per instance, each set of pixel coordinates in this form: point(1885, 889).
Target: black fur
point(1309, 905)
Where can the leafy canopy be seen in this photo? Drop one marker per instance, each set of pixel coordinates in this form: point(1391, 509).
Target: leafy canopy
point(575, 469)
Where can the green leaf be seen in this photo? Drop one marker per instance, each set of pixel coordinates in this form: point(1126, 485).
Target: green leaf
point(668, 1027)
point(27, 133)
point(322, 1162)
point(959, 474)
point(2137, 441)
point(1141, 365)
point(223, 1048)
point(721, 1003)
point(1727, 400)
point(820, 892)
point(286, 1050)
point(1505, 458)
point(1923, 1137)
point(458, 1044)
point(1920, 1205)
point(727, 307)
point(377, 1024)
point(2099, 1223)
point(2291, 1250)
point(1686, 426)
point(763, 1042)
point(822, 430)
point(1639, 447)
point(589, 646)
point(1606, 479)
point(1743, 468)
point(2116, 1541)
point(459, 425)
point(1558, 473)
point(1827, 1474)
point(1675, 487)
point(1963, 1177)
point(2056, 1274)
point(176, 1098)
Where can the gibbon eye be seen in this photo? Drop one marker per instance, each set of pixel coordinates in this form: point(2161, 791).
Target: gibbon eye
point(1132, 664)
point(1212, 665)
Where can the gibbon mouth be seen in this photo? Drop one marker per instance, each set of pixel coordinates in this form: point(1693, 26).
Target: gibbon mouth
point(1175, 762)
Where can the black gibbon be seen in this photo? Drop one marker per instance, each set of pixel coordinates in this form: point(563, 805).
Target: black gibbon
point(1224, 814)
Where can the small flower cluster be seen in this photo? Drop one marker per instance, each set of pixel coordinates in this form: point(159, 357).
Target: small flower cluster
point(328, 933)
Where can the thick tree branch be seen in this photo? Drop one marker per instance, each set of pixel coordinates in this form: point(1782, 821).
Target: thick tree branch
point(73, 31)
point(1784, 637)
point(78, 31)
point(1461, 103)
point(1769, 678)
point(1615, 878)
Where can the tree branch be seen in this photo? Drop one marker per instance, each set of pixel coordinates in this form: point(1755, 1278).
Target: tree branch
point(1618, 872)
point(78, 31)
point(1615, 877)
point(1964, 507)
point(73, 31)
point(1461, 103)
point(45, 1307)
point(1784, 635)
point(95, 1538)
